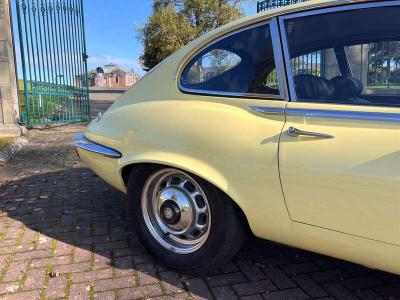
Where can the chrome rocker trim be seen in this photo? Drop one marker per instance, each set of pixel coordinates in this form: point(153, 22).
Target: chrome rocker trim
point(80, 141)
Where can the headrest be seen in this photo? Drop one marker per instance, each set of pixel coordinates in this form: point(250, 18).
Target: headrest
point(347, 87)
point(313, 87)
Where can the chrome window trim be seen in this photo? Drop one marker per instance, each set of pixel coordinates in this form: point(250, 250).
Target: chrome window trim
point(284, 42)
point(344, 114)
point(229, 94)
point(279, 60)
point(82, 142)
point(279, 64)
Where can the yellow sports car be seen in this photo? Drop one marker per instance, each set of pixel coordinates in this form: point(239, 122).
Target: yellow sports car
point(284, 125)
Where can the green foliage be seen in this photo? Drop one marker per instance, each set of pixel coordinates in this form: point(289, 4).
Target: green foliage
point(212, 64)
point(384, 64)
point(165, 32)
point(21, 85)
point(272, 80)
point(4, 141)
point(174, 23)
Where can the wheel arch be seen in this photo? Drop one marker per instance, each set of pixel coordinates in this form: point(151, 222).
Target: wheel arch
point(217, 180)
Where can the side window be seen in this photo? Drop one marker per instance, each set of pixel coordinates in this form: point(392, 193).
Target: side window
point(348, 57)
point(241, 63)
point(210, 65)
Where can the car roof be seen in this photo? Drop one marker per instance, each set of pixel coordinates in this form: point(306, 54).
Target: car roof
point(301, 7)
point(269, 14)
point(308, 5)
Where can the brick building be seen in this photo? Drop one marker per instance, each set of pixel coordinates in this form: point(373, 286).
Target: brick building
point(112, 75)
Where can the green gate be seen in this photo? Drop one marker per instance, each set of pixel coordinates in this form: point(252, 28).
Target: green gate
point(53, 56)
point(271, 4)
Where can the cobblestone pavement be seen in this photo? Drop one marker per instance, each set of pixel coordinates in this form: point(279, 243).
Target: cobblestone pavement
point(66, 236)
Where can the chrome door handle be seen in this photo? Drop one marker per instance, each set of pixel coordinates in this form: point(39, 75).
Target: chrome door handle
point(292, 131)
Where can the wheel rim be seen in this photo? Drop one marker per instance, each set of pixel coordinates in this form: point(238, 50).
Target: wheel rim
point(176, 211)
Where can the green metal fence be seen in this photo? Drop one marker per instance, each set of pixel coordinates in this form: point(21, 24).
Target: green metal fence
point(384, 65)
point(271, 4)
point(53, 54)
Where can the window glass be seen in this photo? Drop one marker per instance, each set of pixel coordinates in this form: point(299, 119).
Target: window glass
point(242, 63)
point(349, 57)
point(272, 80)
point(210, 65)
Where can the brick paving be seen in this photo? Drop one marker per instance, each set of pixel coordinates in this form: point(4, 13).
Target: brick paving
point(66, 236)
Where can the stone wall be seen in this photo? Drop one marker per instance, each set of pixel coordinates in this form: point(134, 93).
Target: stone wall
point(9, 111)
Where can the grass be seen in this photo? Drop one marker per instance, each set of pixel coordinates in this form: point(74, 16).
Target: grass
point(49, 107)
point(383, 87)
point(5, 141)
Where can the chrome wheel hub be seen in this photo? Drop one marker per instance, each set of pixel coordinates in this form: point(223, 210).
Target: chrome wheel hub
point(176, 211)
point(170, 213)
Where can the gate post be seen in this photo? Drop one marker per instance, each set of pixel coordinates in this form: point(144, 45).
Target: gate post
point(9, 108)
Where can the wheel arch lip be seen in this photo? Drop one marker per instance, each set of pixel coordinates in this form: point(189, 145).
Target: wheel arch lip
point(191, 165)
point(179, 161)
point(185, 163)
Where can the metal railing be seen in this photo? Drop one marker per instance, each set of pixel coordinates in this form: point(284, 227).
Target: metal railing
point(271, 4)
point(53, 55)
point(52, 103)
point(384, 65)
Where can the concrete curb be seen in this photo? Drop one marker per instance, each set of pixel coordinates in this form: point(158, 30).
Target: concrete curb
point(9, 151)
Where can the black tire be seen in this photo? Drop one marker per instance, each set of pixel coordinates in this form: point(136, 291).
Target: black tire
point(223, 242)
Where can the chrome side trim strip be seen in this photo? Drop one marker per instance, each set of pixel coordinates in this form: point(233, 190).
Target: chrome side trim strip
point(84, 143)
point(268, 110)
point(347, 115)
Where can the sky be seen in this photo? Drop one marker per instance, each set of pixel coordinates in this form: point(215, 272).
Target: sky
point(110, 31)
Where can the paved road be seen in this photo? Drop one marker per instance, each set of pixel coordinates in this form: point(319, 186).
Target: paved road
point(102, 98)
point(66, 236)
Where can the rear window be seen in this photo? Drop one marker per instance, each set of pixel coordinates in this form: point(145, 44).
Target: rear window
point(241, 63)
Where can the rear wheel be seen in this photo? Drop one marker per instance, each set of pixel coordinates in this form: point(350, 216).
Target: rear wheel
point(184, 221)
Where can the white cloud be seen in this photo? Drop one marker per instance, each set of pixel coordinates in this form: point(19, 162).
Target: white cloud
point(103, 59)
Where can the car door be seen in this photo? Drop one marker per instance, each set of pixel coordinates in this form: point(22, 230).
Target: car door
point(339, 154)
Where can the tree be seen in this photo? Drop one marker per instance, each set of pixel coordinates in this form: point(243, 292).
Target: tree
point(174, 23)
point(383, 62)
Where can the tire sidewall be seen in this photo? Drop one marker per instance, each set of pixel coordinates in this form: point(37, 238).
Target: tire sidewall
point(206, 253)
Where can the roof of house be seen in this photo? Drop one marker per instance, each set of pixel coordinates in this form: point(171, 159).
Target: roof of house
point(112, 68)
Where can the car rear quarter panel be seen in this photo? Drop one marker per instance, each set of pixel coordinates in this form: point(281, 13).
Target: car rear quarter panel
point(222, 142)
